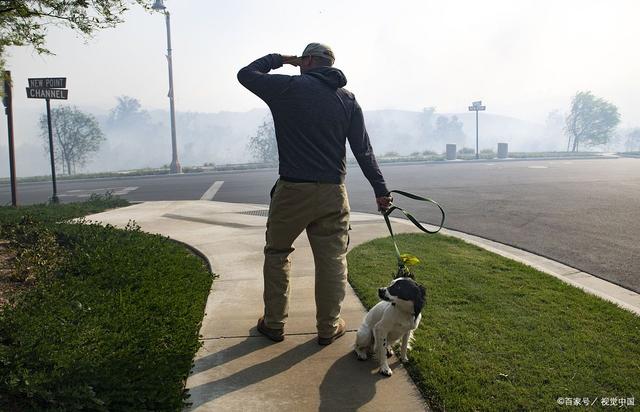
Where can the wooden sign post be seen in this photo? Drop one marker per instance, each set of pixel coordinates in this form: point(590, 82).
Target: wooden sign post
point(8, 109)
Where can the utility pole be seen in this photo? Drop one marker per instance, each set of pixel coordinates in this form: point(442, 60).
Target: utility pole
point(477, 107)
point(8, 105)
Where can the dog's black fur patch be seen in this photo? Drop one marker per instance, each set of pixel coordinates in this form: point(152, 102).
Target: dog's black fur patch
point(408, 289)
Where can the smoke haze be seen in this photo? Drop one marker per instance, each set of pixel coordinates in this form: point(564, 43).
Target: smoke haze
point(523, 59)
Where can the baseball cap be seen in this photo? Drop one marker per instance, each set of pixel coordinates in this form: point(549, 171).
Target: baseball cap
point(320, 50)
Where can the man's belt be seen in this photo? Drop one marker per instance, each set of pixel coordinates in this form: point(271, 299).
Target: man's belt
point(296, 180)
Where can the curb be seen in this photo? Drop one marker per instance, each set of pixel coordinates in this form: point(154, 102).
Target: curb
point(198, 253)
point(381, 162)
point(496, 160)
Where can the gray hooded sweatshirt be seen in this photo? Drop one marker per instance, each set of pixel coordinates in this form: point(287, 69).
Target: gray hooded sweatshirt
point(313, 116)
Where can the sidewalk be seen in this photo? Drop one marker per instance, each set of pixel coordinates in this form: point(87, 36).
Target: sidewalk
point(239, 369)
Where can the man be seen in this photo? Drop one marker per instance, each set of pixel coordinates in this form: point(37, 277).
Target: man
point(313, 116)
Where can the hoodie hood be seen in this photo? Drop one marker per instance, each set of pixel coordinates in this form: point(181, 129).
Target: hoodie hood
point(330, 75)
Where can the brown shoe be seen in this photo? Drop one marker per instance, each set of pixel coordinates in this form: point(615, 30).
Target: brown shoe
point(341, 329)
point(273, 334)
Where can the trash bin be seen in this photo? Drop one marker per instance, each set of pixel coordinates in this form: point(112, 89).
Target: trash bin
point(451, 152)
point(503, 150)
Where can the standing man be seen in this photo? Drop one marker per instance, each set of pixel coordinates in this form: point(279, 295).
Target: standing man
point(313, 116)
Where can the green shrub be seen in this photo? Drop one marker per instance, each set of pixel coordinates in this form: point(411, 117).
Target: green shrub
point(52, 213)
point(37, 253)
point(466, 150)
point(115, 329)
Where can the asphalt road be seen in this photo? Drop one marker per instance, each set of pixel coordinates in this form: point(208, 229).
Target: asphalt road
point(584, 213)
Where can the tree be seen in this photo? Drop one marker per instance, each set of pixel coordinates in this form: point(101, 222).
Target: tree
point(263, 145)
point(25, 22)
point(592, 121)
point(76, 135)
point(633, 140)
point(127, 112)
point(449, 129)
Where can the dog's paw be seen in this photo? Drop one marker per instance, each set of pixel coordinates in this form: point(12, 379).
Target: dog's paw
point(389, 353)
point(386, 371)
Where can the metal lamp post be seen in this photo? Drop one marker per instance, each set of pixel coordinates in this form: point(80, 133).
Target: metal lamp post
point(175, 165)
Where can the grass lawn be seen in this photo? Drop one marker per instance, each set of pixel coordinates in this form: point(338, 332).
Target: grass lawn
point(499, 335)
point(108, 319)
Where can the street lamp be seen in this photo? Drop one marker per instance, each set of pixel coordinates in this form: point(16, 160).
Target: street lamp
point(175, 165)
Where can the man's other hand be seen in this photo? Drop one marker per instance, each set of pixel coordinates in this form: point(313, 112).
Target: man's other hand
point(384, 203)
point(292, 60)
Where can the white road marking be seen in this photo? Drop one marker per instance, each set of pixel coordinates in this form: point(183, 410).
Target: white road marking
point(538, 167)
point(211, 192)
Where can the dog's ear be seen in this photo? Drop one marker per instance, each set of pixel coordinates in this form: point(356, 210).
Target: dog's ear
point(420, 300)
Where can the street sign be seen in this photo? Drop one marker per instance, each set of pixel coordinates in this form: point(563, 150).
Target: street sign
point(48, 82)
point(57, 94)
point(49, 88)
point(477, 107)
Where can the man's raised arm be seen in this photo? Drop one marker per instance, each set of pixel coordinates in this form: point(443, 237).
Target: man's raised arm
point(255, 76)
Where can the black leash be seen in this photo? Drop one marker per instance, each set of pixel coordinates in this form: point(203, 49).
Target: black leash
point(402, 269)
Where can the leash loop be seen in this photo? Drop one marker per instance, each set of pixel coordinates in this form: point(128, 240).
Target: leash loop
point(402, 270)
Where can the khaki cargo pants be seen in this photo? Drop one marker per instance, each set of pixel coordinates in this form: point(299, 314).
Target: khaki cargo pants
point(323, 210)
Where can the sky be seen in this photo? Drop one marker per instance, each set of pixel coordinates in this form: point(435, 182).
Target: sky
point(521, 58)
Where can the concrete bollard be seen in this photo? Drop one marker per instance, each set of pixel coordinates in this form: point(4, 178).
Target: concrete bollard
point(503, 150)
point(451, 152)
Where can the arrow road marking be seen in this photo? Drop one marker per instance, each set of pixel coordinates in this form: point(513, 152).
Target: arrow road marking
point(211, 192)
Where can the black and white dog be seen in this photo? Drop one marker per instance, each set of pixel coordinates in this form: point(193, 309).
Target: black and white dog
point(395, 317)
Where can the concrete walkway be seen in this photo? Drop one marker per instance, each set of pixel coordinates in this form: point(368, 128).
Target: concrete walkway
point(239, 370)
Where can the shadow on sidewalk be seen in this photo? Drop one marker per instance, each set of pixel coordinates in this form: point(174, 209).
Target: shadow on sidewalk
point(349, 384)
point(215, 359)
point(256, 373)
